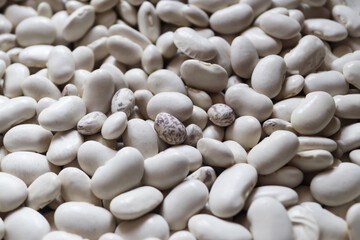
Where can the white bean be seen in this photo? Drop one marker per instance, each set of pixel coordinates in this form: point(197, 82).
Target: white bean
point(78, 23)
point(353, 221)
point(15, 190)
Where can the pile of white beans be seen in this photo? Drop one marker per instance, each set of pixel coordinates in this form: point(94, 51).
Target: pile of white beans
point(179, 120)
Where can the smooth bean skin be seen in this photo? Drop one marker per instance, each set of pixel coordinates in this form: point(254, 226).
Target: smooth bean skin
point(346, 106)
point(60, 56)
point(348, 17)
point(326, 189)
point(13, 193)
point(331, 82)
point(353, 221)
point(325, 29)
point(287, 176)
point(273, 152)
point(230, 190)
point(215, 153)
point(304, 224)
point(269, 220)
point(78, 23)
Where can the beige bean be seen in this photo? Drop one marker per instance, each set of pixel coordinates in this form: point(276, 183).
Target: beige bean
point(135, 203)
point(136, 79)
point(124, 50)
point(26, 165)
point(205, 174)
point(312, 160)
point(235, 182)
point(26, 223)
point(27, 137)
point(126, 167)
point(189, 196)
point(268, 75)
point(75, 186)
point(15, 190)
point(274, 124)
point(37, 87)
point(273, 152)
point(165, 170)
point(92, 154)
point(291, 87)
point(244, 56)
point(246, 101)
point(151, 224)
point(15, 111)
point(221, 115)
point(308, 118)
point(43, 190)
point(193, 155)
point(287, 176)
point(63, 115)
point(199, 98)
point(151, 59)
point(114, 126)
point(306, 57)
point(95, 220)
point(326, 188)
point(64, 147)
point(35, 30)
point(351, 74)
point(214, 132)
point(78, 23)
point(14, 76)
point(148, 21)
point(205, 226)
point(215, 153)
point(116, 74)
point(198, 117)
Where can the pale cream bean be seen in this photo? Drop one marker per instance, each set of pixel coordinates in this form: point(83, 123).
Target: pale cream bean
point(148, 21)
point(354, 156)
point(37, 87)
point(232, 19)
point(61, 65)
point(58, 235)
point(258, 6)
point(214, 132)
point(91, 123)
point(351, 74)
point(175, 63)
point(120, 173)
point(182, 235)
point(193, 155)
point(314, 113)
point(269, 219)
point(325, 29)
point(69, 90)
point(285, 195)
point(199, 98)
point(165, 81)
point(195, 15)
point(205, 226)
point(347, 138)
point(93, 154)
point(135, 203)
point(102, 5)
point(151, 59)
point(44, 9)
point(273, 152)
point(127, 12)
point(26, 165)
point(64, 147)
point(165, 170)
point(346, 106)
point(332, 82)
point(339, 63)
point(353, 221)
point(264, 44)
point(193, 135)
point(5, 24)
point(278, 25)
point(78, 23)
point(7, 41)
point(129, 33)
point(16, 13)
point(16, 110)
point(98, 91)
point(330, 225)
point(238, 151)
point(35, 56)
point(107, 18)
point(141, 135)
point(84, 219)
point(136, 79)
point(59, 19)
point(306, 57)
point(328, 190)
point(27, 137)
point(244, 56)
point(291, 86)
point(170, 12)
point(193, 44)
point(116, 74)
point(348, 17)
point(286, 4)
point(63, 115)
point(100, 49)
point(223, 49)
point(275, 124)
point(287, 176)
point(211, 6)
point(26, 223)
point(230, 190)
point(2, 228)
point(215, 153)
point(14, 76)
point(246, 131)
point(13, 192)
point(176, 104)
point(142, 97)
point(43, 190)
point(198, 117)
point(169, 128)
point(246, 101)
point(44, 103)
point(35, 30)
point(114, 126)
point(150, 225)
point(165, 44)
point(313, 143)
point(304, 224)
point(75, 186)
point(124, 50)
point(84, 58)
point(182, 202)
point(284, 108)
point(268, 75)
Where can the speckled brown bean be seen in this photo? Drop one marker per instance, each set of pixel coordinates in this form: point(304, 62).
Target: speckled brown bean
point(221, 115)
point(169, 128)
point(193, 134)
